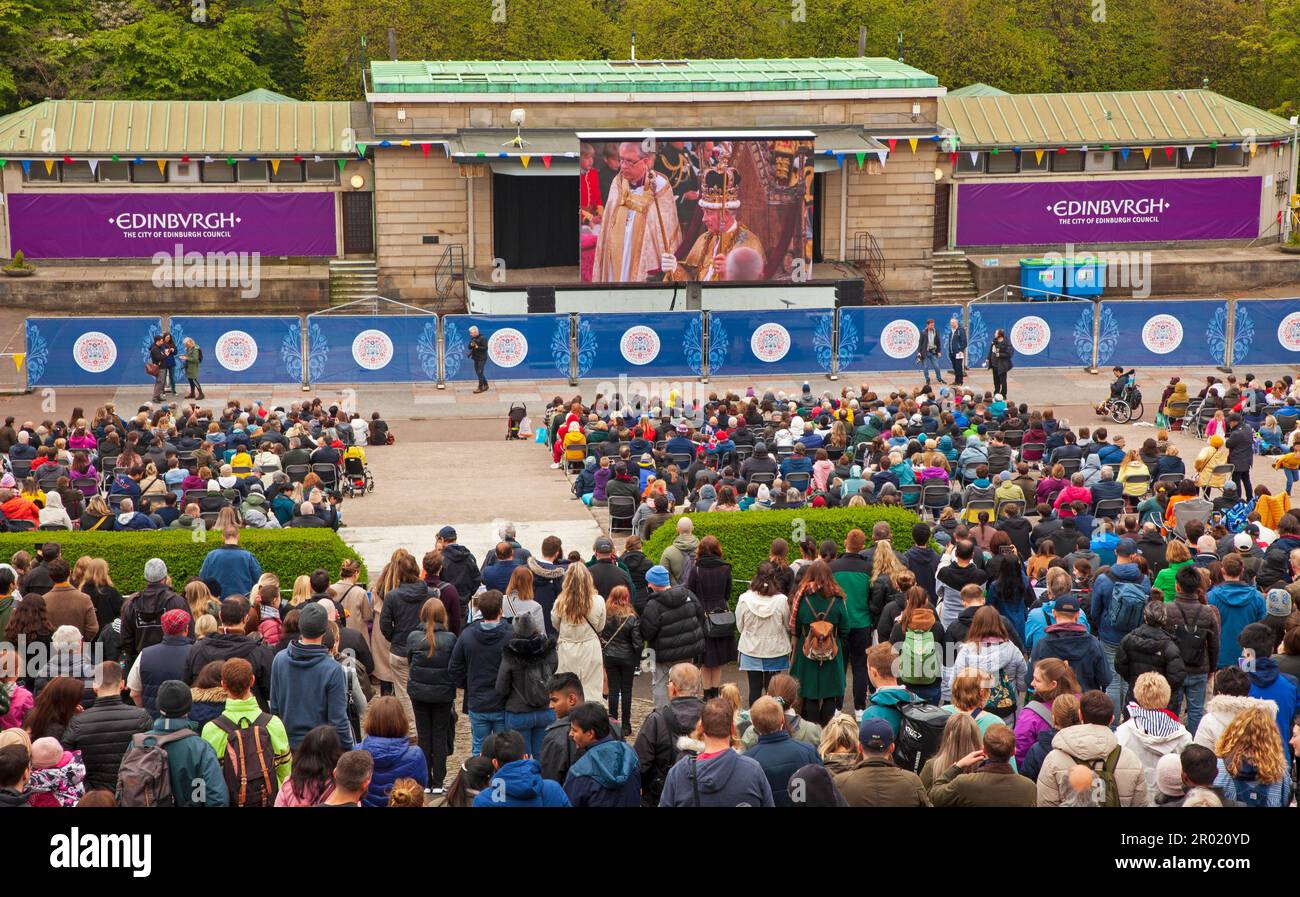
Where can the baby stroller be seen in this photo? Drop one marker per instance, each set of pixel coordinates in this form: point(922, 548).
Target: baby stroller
point(518, 411)
point(357, 478)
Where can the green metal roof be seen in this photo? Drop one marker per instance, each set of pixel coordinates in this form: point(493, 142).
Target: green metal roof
point(978, 89)
point(1050, 120)
point(148, 127)
point(648, 76)
point(261, 95)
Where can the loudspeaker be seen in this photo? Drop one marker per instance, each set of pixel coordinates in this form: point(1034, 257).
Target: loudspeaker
point(541, 300)
point(850, 292)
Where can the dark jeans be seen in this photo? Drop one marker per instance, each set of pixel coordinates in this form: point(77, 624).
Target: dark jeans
point(857, 643)
point(620, 690)
point(433, 730)
point(758, 681)
point(479, 365)
point(171, 378)
point(1242, 479)
point(820, 712)
point(957, 374)
point(1000, 382)
point(195, 388)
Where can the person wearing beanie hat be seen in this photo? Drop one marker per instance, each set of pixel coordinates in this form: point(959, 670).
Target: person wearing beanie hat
point(58, 776)
point(161, 662)
point(150, 603)
point(196, 776)
point(308, 687)
point(1169, 781)
point(672, 627)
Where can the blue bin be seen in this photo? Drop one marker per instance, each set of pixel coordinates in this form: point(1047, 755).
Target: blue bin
point(1041, 278)
point(1085, 277)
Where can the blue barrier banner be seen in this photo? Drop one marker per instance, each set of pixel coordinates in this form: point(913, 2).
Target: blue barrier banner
point(244, 349)
point(794, 341)
point(1268, 331)
point(1042, 334)
point(520, 347)
point(659, 344)
point(1150, 333)
point(89, 351)
point(370, 348)
point(884, 338)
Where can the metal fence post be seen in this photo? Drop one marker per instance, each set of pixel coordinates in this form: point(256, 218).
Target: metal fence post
point(573, 348)
point(1096, 334)
point(835, 344)
point(441, 344)
point(304, 348)
point(704, 347)
point(1230, 336)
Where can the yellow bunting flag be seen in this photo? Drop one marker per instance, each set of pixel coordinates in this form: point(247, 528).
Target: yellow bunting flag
point(1038, 156)
point(162, 166)
point(525, 160)
point(49, 166)
point(1252, 149)
point(275, 166)
point(406, 143)
point(911, 141)
point(19, 358)
point(1146, 153)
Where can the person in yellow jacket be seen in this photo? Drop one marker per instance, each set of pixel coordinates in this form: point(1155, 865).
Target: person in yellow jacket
point(1212, 456)
point(1131, 473)
point(1289, 464)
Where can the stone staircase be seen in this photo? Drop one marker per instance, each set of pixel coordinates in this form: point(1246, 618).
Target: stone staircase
point(352, 279)
point(952, 279)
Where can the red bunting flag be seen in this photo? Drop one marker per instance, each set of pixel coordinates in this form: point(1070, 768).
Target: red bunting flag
point(67, 160)
point(297, 158)
point(952, 159)
point(893, 142)
point(425, 147)
point(546, 160)
point(185, 158)
point(1060, 150)
point(1169, 152)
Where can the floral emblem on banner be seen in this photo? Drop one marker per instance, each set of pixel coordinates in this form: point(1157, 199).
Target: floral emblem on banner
point(177, 331)
point(1030, 335)
point(693, 344)
point(1242, 336)
point(824, 341)
point(639, 345)
point(718, 344)
point(95, 352)
point(586, 347)
point(372, 349)
point(560, 353)
point(38, 353)
point(770, 342)
point(977, 339)
point(453, 349)
point(560, 350)
point(426, 349)
point(317, 351)
point(146, 344)
point(1288, 334)
point(507, 348)
point(1083, 334)
point(1162, 334)
point(236, 350)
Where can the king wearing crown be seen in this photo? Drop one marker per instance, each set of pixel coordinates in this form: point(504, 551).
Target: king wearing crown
point(727, 250)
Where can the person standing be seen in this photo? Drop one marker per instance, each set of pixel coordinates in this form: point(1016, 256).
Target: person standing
point(478, 353)
point(235, 569)
point(820, 623)
point(710, 582)
point(999, 361)
point(157, 368)
point(927, 351)
point(475, 662)
point(193, 357)
point(957, 350)
point(1240, 443)
point(579, 618)
point(431, 690)
point(308, 687)
point(169, 363)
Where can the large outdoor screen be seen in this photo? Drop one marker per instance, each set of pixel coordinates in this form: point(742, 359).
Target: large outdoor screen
point(656, 210)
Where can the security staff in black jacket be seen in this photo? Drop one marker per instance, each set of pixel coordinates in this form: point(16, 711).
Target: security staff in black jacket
point(957, 350)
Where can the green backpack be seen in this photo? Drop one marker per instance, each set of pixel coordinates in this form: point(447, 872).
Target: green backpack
point(919, 659)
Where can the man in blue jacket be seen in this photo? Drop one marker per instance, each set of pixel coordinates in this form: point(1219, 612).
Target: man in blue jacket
point(717, 776)
point(308, 687)
point(1117, 601)
point(234, 568)
point(1070, 641)
point(1267, 681)
point(779, 754)
point(608, 772)
point(1239, 604)
point(518, 780)
point(799, 462)
point(1058, 583)
point(474, 664)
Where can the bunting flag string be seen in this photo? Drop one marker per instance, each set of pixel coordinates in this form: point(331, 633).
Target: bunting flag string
point(162, 166)
point(881, 154)
point(424, 147)
point(1189, 149)
point(275, 166)
point(342, 162)
point(839, 159)
point(19, 358)
point(1123, 153)
point(1038, 156)
point(361, 150)
point(1169, 152)
point(49, 166)
point(1146, 153)
point(94, 164)
point(974, 157)
point(893, 143)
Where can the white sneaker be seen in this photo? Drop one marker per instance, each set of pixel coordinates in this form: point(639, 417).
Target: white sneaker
point(555, 466)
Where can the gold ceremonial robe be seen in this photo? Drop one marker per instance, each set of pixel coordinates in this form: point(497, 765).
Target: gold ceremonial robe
point(638, 226)
point(698, 264)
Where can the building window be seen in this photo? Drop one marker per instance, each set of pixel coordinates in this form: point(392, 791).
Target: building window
point(966, 166)
point(1031, 161)
point(1070, 160)
point(252, 171)
point(287, 172)
point(36, 173)
point(1134, 162)
point(1002, 163)
point(1229, 156)
point(77, 173)
point(114, 172)
point(1099, 161)
point(1202, 157)
point(217, 173)
point(326, 171)
point(1161, 159)
point(148, 172)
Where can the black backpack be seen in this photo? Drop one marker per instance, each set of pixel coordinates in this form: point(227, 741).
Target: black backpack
point(249, 761)
point(919, 734)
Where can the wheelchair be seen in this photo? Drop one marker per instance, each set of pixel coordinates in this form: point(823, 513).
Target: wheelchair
point(1126, 408)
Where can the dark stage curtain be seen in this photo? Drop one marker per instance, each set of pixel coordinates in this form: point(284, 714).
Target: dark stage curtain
point(535, 220)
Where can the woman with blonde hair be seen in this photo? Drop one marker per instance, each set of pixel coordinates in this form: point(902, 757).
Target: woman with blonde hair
point(1134, 475)
point(1213, 455)
point(388, 580)
point(98, 585)
point(579, 616)
point(839, 744)
point(971, 689)
point(227, 517)
point(200, 599)
point(1252, 764)
point(961, 735)
point(205, 626)
point(302, 590)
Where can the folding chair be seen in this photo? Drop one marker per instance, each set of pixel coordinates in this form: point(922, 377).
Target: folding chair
point(621, 509)
point(911, 494)
point(1110, 508)
point(328, 473)
point(762, 478)
point(934, 498)
point(799, 481)
point(1071, 466)
point(297, 472)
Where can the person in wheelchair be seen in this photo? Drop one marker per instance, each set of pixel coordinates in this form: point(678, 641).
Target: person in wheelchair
point(1122, 387)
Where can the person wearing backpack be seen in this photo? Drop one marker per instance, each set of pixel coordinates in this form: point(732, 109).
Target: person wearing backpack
point(1118, 776)
point(142, 612)
point(1052, 678)
point(1195, 627)
point(988, 647)
point(1239, 604)
point(1118, 599)
point(878, 781)
point(194, 776)
point(252, 746)
point(888, 696)
point(1252, 761)
point(819, 621)
point(1151, 648)
point(309, 687)
point(919, 637)
point(527, 663)
point(1069, 640)
point(432, 691)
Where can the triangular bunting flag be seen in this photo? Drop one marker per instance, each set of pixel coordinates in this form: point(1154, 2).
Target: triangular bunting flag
point(19, 358)
point(893, 143)
point(952, 159)
point(525, 160)
point(424, 148)
point(230, 160)
point(1123, 153)
point(207, 160)
point(911, 141)
point(385, 143)
point(3, 163)
point(1083, 149)
point(862, 157)
point(1146, 153)
point(162, 166)
point(361, 150)
point(546, 161)
point(138, 160)
point(406, 143)
point(49, 166)
point(1169, 152)
point(1038, 156)
point(114, 157)
point(1189, 150)
point(994, 151)
point(1252, 150)
point(974, 157)
point(839, 159)
point(315, 158)
point(881, 154)
point(27, 165)
point(342, 162)
point(185, 158)
point(297, 158)
point(275, 166)
point(67, 160)
point(93, 163)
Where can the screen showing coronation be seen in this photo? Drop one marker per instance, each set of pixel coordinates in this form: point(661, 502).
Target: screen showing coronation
point(654, 210)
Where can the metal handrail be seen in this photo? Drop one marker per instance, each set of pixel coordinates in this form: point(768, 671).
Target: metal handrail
point(1002, 290)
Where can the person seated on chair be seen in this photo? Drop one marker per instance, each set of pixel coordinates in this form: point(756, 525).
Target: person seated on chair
point(1118, 386)
point(1106, 487)
point(129, 518)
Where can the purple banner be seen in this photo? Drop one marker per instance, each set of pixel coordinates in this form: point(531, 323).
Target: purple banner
point(1108, 211)
point(137, 225)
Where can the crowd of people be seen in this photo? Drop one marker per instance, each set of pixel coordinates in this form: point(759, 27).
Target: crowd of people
point(178, 465)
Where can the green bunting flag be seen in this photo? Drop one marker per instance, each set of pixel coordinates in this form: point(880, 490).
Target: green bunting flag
point(342, 162)
point(861, 158)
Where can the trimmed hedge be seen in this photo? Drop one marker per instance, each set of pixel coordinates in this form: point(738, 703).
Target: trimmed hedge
point(747, 536)
point(288, 553)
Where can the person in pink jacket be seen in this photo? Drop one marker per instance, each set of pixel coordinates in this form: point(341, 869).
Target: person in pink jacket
point(58, 776)
point(15, 700)
point(1052, 678)
point(1076, 491)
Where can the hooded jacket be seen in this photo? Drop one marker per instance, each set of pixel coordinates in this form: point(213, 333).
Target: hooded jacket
point(475, 661)
point(1103, 590)
point(1220, 710)
point(395, 758)
point(223, 646)
point(1239, 604)
point(401, 614)
point(884, 705)
point(781, 756)
point(1150, 649)
point(607, 774)
point(526, 665)
point(923, 561)
point(674, 556)
point(142, 618)
point(1089, 743)
point(673, 625)
point(1150, 734)
point(190, 760)
point(1073, 642)
point(309, 689)
point(521, 785)
point(761, 620)
point(726, 779)
point(1268, 682)
point(460, 569)
point(548, 578)
point(1276, 569)
point(657, 742)
point(852, 572)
